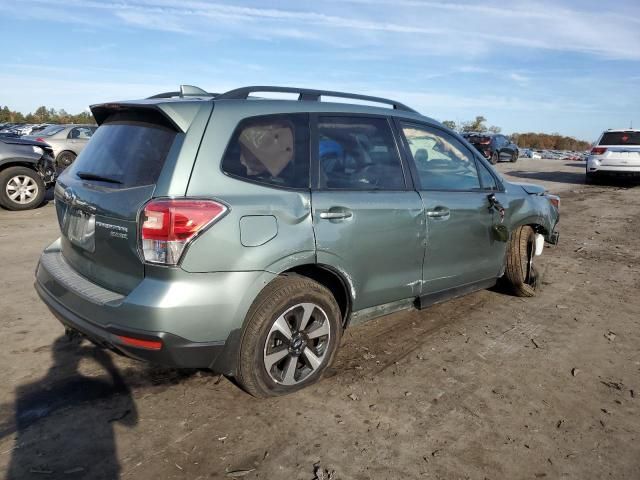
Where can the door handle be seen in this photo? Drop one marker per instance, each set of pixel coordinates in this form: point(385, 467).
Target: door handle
point(335, 215)
point(439, 212)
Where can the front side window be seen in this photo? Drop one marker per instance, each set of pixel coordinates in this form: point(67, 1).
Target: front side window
point(271, 149)
point(488, 181)
point(442, 162)
point(358, 153)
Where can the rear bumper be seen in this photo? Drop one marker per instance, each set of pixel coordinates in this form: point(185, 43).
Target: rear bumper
point(197, 317)
point(174, 352)
point(611, 168)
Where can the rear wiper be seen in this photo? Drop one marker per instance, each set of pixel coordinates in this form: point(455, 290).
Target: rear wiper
point(93, 176)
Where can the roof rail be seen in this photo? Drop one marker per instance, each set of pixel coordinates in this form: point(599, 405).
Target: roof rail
point(185, 91)
point(308, 95)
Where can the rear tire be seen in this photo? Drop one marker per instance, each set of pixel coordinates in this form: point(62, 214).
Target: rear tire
point(591, 178)
point(520, 273)
point(514, 158)
point(65, 159)
point(292, 333)
point(21, 188)
point(494, 158)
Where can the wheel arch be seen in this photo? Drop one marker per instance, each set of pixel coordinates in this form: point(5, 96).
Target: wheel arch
point(333, 280)
point(18, 162)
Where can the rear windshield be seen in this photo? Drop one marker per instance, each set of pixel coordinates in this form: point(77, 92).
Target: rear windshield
point(478, 139)
point(126, 151)
point(620, 138)
point(50, 130)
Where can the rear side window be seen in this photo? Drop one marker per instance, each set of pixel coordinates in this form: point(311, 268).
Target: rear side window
point(620, 138)
point(358, 153)
point(130, 150)
point(270, 149)
point(81, 133)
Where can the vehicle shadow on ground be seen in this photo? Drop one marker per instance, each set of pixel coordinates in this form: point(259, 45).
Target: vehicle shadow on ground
point(59, 445)
point(575, 178)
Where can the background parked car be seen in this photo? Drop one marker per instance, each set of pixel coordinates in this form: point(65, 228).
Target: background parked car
point(617, 153)
point(494, 147)
point(67, 141)
point(528, 153)
point(26, 171)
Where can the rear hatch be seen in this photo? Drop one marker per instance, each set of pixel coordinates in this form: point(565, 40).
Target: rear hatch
point(622, 149)
point(98, 198)
point(481, 142)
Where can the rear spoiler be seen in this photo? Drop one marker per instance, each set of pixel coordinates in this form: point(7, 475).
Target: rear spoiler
point(179, 114)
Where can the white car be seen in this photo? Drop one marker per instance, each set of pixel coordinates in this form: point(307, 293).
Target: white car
point(617, 152)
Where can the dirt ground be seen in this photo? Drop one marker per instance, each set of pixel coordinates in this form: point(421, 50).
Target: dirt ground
point(487, 386)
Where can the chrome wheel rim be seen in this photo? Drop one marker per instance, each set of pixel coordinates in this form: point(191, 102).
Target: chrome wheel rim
point(21, 189)
point(297, 344)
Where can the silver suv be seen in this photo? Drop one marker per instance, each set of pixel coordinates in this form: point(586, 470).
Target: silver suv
point(617, 153)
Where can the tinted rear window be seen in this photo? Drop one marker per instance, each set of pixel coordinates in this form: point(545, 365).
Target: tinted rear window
point(126, 150)
point(620, 138)
point(478, 139)
point(270, 149)
point(50, 130)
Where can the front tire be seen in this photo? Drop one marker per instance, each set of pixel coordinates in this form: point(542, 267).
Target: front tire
point(520, 273)
point(590, 178)
point(494, 158)
point(21, 188)
point(65, 159)
point(514, 157)
point(291, 336)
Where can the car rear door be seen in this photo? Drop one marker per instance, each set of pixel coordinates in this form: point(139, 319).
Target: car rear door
point(368, 221)
point(100, 196)
point(460, 248)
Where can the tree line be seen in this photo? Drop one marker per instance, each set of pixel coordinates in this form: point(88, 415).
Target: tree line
point(537, 141)
point(44, 115)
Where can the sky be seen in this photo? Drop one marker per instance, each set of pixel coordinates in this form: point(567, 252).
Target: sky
point(567, 66)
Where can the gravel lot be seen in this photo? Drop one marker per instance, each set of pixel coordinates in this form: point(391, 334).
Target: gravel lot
point(486, 386)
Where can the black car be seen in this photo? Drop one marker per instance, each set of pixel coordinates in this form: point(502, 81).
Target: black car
point(26, 171)
point(494, 147)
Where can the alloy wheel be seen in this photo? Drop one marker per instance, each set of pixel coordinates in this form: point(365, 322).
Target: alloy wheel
point(531, 277)
point(297, 344)
point(22, 189)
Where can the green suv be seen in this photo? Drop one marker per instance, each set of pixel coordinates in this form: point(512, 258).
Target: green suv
point(244, 234)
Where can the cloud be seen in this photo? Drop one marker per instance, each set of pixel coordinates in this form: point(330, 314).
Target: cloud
point(428, 27)
point(516, 77)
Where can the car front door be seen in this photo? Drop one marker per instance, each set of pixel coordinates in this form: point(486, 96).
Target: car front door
point(461, 249)
point(368, 221)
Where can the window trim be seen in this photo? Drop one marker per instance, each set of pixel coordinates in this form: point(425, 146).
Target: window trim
point(439, 131)
point(315, 161)
point(240, 178)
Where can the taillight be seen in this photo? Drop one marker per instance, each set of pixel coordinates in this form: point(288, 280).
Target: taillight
point(598, 150)
point(40, 139)
point(554, 200)
point(168, 226)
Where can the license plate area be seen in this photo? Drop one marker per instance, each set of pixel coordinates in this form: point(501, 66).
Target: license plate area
point(80, 228)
